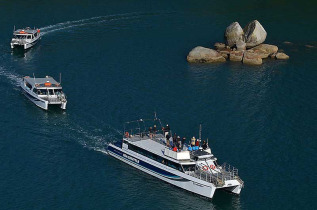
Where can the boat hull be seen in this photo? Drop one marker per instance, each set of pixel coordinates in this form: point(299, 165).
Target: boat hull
point(37, 101)
point(26, 45)
point(158, 170)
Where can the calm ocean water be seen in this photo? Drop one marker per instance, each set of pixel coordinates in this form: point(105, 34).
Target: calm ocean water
point(123, 60)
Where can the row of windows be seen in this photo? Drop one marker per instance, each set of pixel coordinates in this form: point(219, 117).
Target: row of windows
point(156, 157)
point(25, 36)
point(50, 91)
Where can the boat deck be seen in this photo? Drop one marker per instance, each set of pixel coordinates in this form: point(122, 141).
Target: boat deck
point(156, 145)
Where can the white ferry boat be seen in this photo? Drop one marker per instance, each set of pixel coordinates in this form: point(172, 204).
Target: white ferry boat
point(25, 38)
point(193, 168)
point(43, 91)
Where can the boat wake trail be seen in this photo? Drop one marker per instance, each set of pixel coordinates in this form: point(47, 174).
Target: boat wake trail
point(95, 20)
point(92, 138)
point(13, 78)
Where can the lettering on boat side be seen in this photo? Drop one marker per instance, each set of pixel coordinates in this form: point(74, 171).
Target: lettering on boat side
point(131, 158)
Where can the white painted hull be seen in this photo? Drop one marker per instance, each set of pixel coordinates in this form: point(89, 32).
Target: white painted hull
point(37, 100)
point(26, 45)
point(179, 179)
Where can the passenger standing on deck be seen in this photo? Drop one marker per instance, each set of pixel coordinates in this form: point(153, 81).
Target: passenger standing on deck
point(166, 130)
point(154, 130)
point(204, 145)
point(198, 142)
point(193, 141)
point(168, 140)
point(150, 132)
point(174, 139)
point(183, 141)
point(175, 149)
point(179, 142)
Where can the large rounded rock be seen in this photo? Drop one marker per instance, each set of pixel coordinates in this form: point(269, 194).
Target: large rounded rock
point(204, 55)
point(234, 33)
point(254, 33)
point(281, 56)
point(266, 48)
point(251, 59)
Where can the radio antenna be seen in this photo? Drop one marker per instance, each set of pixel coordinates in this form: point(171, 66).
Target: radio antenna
point(200, 132)
point(60, 78)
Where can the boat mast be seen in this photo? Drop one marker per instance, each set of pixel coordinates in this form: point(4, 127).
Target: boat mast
point(60, 78)
point(200, 132)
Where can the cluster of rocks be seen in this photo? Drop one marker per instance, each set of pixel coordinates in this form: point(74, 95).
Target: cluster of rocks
point(242, 45)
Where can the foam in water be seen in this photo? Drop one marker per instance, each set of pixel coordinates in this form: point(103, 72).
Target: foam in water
point(14, 78)
point(93, 20)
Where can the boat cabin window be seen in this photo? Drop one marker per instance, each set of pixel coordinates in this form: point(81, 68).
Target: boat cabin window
point(20, 36)
point(29, 36)
point(39, 91)
point(58, 91)
point(50, 92)
point(28, 85)
point(43, 92)
point(189, 167)
point(155, 157)
point(35, 35)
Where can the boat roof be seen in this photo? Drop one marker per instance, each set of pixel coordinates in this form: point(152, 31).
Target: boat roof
point(25, 31)
point(41, 81)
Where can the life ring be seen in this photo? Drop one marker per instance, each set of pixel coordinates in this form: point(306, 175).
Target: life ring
point(205, 168)
point(127, 134)
point(213, 167)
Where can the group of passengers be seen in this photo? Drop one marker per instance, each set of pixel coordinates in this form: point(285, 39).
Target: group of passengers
point(175, 141)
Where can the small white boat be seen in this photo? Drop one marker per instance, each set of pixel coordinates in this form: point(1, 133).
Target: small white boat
point(25, 38)
point(192, 168)
point(43, 91)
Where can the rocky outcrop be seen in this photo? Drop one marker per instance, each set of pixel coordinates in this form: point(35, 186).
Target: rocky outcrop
point(242, 45)
point(236, 55)
point(234, 33)
point(251, 59)
point(204, 55)
point(254, 33)
point(219, 46)
point(281, 56)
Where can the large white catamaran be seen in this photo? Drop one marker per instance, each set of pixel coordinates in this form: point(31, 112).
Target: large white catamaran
point(193, 168)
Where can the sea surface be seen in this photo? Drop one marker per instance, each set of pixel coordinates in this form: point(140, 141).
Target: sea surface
point(125, 60)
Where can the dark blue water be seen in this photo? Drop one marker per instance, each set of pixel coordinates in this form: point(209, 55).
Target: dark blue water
point(123, 60)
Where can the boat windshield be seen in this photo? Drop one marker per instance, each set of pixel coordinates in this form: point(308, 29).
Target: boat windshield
point(58, 91)
point(20, 36)
point(48, 91)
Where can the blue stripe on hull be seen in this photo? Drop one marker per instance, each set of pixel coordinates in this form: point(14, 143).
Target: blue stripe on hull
point(146, 165)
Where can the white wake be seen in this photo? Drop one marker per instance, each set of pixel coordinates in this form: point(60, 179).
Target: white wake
point(92, 20)
point(13, 78)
